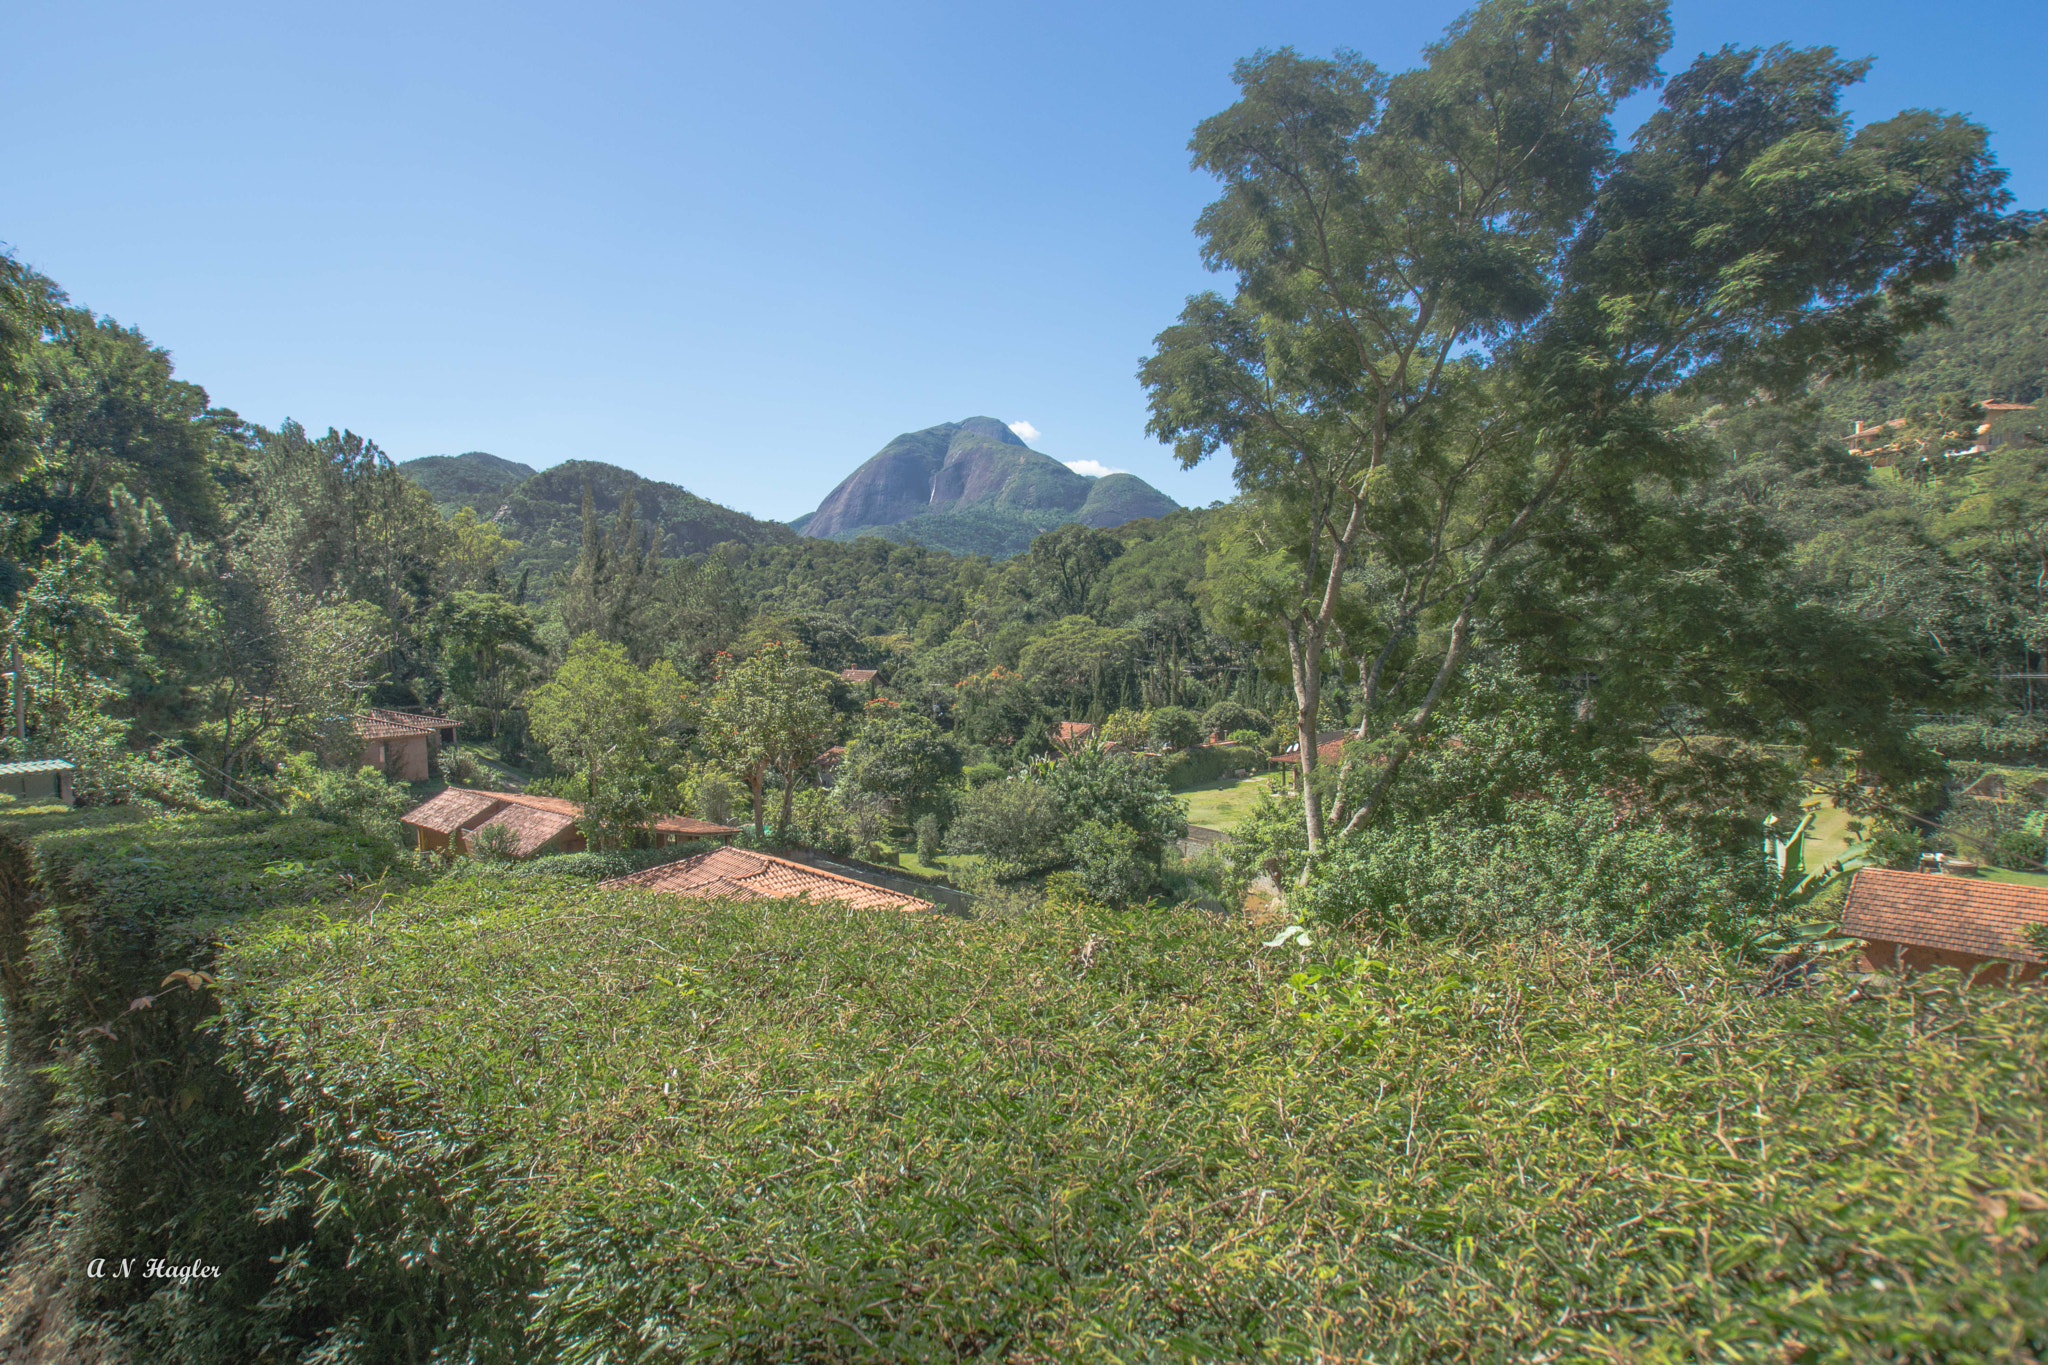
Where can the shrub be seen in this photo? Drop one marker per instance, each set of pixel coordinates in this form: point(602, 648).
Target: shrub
point(1174, 727)
point(712, 797)
point(981, 774)
point(1112, 863)
point(1228, 717)
point(361, 797)
point(1016, 825)
point(1199, 767)
point(928, 842)
point(1247, 738)
point(1563, 863)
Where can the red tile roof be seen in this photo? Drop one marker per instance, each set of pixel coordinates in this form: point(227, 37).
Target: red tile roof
point(445, 812)
point(1072, 732)
point(533, 819)
point(1329, 748)
point(1955, 914)
point(860, 675)
point(416, 720)
point(830, 758)
point(743, 875)
point(372, 726)
point(532, 828)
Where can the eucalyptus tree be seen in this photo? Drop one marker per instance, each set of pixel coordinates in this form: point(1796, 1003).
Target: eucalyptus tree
point(1456, 298)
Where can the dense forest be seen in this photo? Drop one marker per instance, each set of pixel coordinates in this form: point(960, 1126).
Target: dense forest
point(1504, 1020)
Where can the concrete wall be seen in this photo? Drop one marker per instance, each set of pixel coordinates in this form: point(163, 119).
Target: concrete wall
point(408, 754)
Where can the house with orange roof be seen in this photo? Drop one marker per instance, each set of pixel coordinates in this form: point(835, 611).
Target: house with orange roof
point(455, 820)
point(1911, 921)
point(734, 874)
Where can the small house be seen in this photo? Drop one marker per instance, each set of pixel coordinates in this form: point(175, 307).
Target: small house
point(866, 678)
point(732, 874)
point(1070, 735)
point(1911, 921)
point(454, 821)
point(38, 779)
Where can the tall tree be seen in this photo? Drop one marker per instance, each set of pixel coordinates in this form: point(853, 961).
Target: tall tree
point(771, 713)
point(1456, 298)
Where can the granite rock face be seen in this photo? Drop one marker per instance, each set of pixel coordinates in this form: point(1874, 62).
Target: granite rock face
point(975, 464)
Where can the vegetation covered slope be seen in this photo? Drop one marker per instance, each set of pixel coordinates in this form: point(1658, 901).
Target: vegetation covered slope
point(545, 513)
point(472, 479)
point(616, 1126)
point(973, 487)
point(1996, 349)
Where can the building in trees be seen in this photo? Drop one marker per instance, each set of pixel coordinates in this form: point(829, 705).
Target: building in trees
point(1911, 921)
point(460, 821)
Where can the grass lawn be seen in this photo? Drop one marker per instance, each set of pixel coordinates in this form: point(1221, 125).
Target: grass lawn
point(2000, 874)
point(1220, 805)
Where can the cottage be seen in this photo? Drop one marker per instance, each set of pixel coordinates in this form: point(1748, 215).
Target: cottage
point(40, 779)
point(868, 678)
point(397, 745)
point(732, 874)
point(828, 763)
point(1915, 920)
point(1070, 735)
point(453, 821)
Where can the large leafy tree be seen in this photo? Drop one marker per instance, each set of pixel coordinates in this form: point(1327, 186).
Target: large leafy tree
point(904, 757)
point(1457, 301)
point(771, 713)
point(602, 712)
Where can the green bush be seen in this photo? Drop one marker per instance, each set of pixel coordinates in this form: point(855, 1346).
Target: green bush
point(778, 1132)
point(1565, 863)
point(1174, 727)
point(1228, 717)
point(362, 798)
point(928, 840)
point(981, 774)
point(1200, 767)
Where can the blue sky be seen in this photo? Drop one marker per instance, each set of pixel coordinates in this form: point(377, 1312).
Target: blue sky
point(734, 247)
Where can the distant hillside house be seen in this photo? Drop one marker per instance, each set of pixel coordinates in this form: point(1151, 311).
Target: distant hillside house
point(828, 763)
point(869, 678)
point(401, 745)
point(732, 874)
point(454, 820)
point(1070, 735)
point(1912, 921)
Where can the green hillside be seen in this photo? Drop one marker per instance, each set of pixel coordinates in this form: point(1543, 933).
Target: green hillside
point(1996, 348)
point(471, 479)
point(545, 513)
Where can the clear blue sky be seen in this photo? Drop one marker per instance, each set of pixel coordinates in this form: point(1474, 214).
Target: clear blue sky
point(737, 247)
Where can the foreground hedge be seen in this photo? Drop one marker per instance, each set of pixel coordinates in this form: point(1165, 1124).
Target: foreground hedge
point(546, 1123)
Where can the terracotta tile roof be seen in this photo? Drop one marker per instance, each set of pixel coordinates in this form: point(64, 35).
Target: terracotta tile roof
point(416, 720)
point(447, 811)
point(743, 875)
point(694, 829)
point(531, 827)
point(1329, 748)
point(372, 726)
point(466, 809)
point(860, 675)
point(1990, 787)
point(1959, 914)
point(830, 758)
point(1071, 732)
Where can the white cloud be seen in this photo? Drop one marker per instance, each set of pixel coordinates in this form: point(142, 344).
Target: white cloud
point(1025, 431)
point(1094, 469)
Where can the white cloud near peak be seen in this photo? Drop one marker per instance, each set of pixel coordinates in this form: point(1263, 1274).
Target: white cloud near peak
point(1025, 431)
point(1094, 469)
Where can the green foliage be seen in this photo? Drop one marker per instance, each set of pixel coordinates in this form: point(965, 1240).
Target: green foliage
point(2014, 739)
point(615, 725)
point(1227, 718)
point(904, 757)
point(1016, 825)
point(768, 714)
point(1517, 1151)
point(1199, 767)
point(362, 797)
point(981, 774)
point(929, 840)
point(1564, 862)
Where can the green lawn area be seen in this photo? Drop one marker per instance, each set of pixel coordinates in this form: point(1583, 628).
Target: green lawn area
point(1220, 805)
point(2000, 874)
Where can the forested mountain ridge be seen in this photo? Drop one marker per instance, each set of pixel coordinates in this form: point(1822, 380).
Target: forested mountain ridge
point(545, 514)
point(974, 487)
point(473, 479)
point(1994, 349)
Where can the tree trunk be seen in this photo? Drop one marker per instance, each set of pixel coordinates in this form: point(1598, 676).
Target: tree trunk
point(754, 787)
